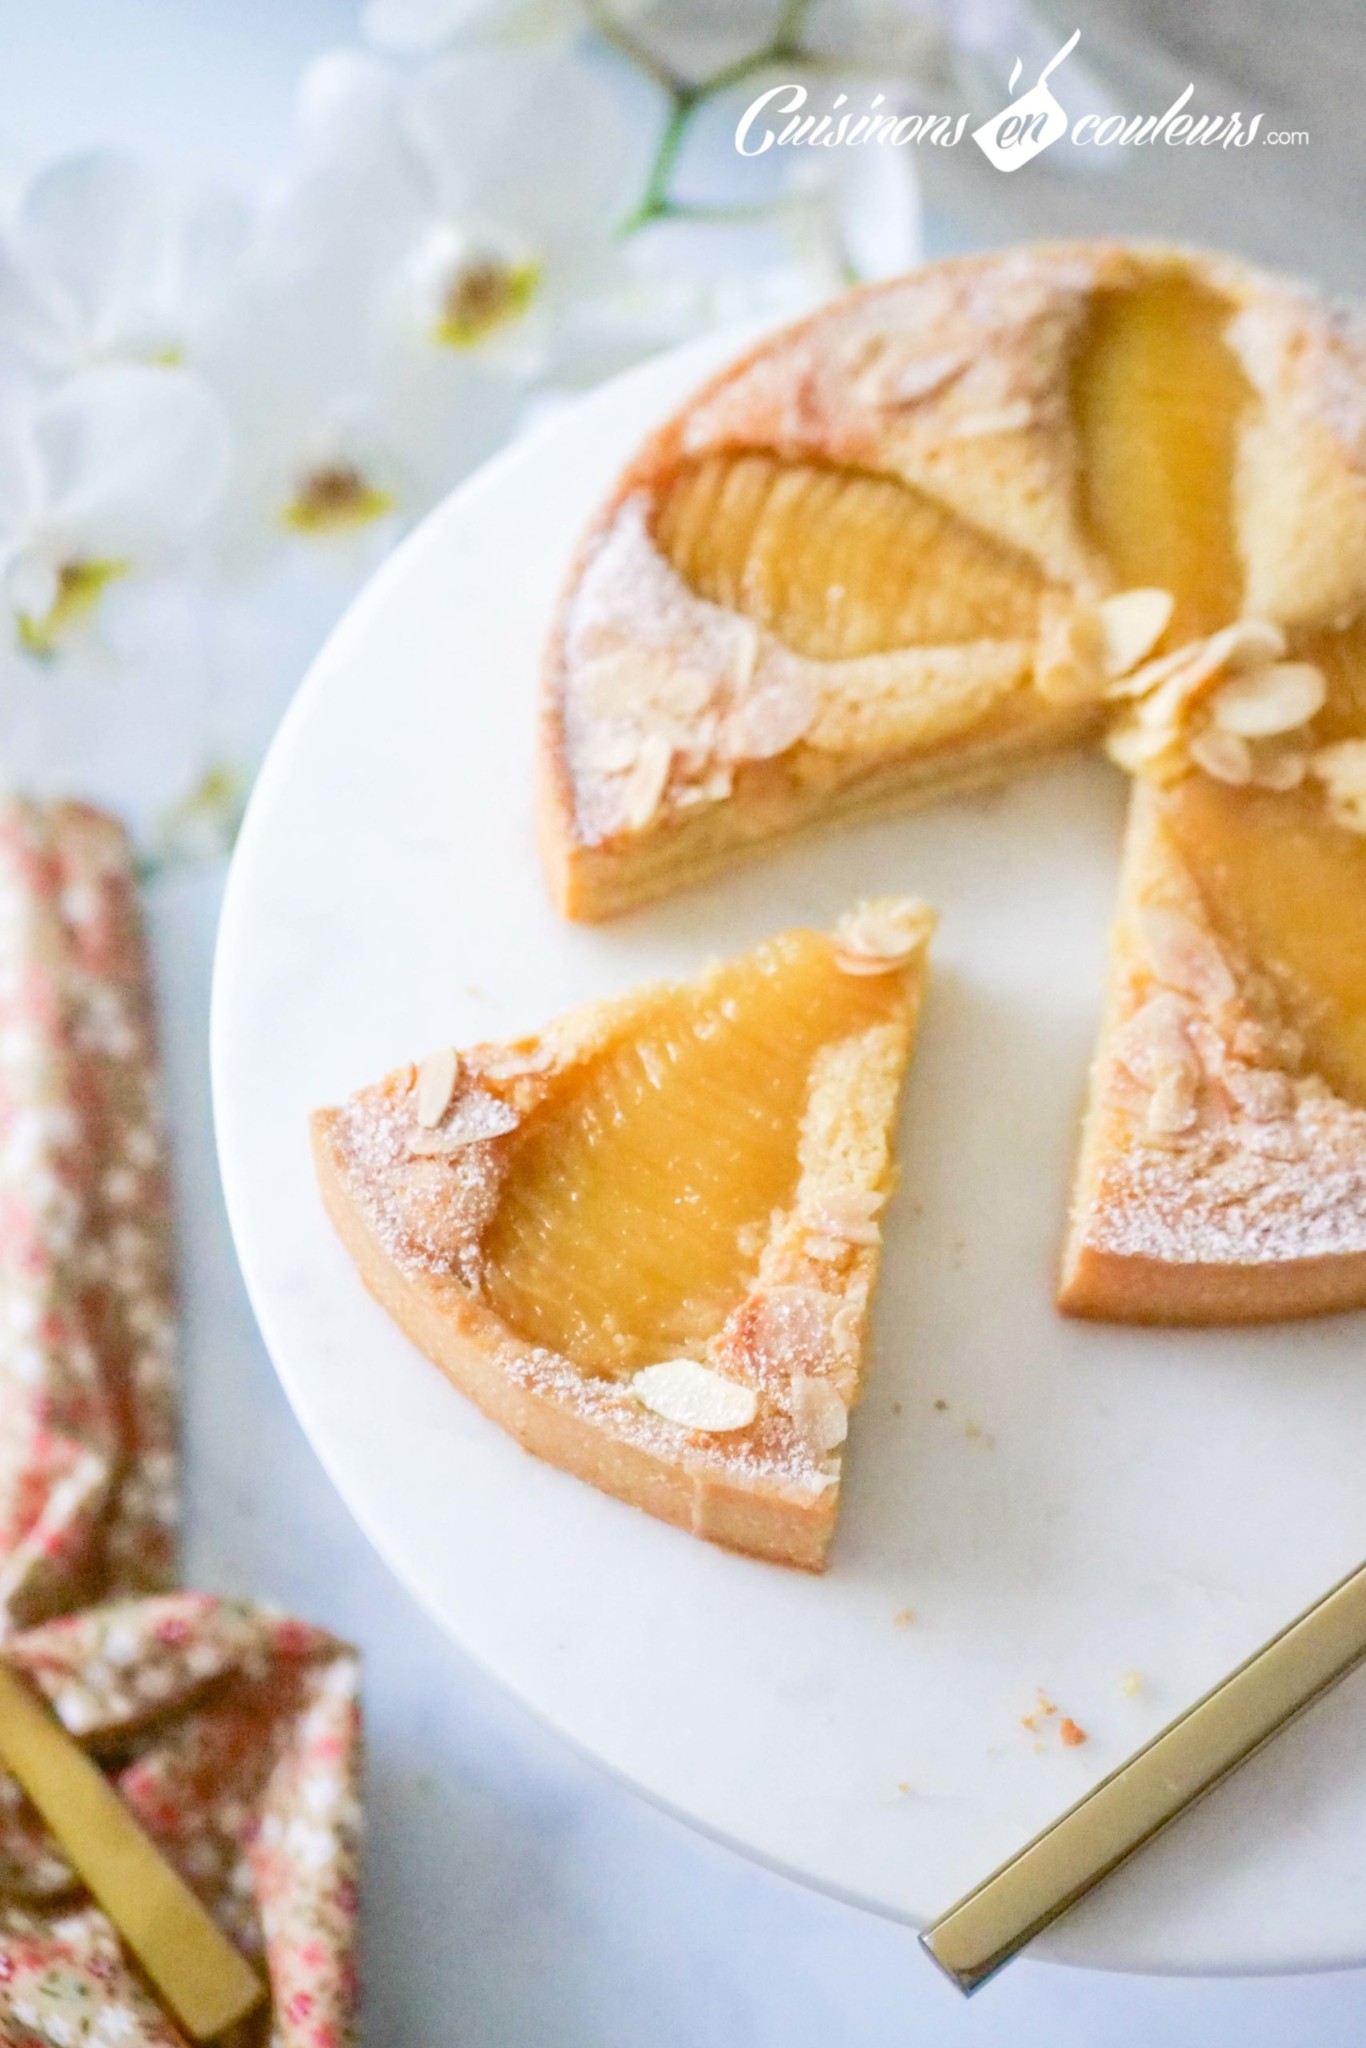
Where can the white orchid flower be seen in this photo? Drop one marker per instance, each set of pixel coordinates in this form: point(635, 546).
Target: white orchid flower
point(114, 469)
point(105, 261)
point(421, 265)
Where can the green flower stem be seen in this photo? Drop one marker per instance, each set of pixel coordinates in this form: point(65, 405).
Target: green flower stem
point(686, 97)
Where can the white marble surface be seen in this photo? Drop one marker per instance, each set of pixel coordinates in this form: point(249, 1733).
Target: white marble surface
point(516, 1895)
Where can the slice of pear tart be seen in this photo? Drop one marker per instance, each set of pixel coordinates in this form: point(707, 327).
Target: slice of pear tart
point(645, 1240)
point(1223, 1162)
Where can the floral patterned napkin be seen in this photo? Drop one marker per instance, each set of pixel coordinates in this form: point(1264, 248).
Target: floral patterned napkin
point(232, 1733)
point(87, 1394)
point(234, 1736)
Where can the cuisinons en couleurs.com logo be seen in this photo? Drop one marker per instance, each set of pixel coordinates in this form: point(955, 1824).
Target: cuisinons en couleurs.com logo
point(1030, 125)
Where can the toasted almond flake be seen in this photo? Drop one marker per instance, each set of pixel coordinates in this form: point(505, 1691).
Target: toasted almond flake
point(607, 748)
point(1131, 624)
point(643, 789)
point(1221, 754)
point(776, 710)
point(1006, 419)
point(1155, 1039)
point(1247, 643)
point(818, 1411)
point(1143, 680)
point(883, 933)
point(1166, 686)
point(1138, 749)
point(475, 1117)
point(1184, 956)
point(611, 684)
point(1173, 1105)
point(1341, 769)
point(1259, 703)
point(692, 1395)
point(916, 380)
point(436, 1078)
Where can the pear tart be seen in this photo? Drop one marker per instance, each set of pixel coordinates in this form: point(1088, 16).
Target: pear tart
point(645, 1241)
point(1223, 1164)
point(943, 527)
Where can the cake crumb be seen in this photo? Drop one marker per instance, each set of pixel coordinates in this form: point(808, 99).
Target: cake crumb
point(976, 1434)
point(903, 1617)
point(1069, 1734)
point(942, 1406)
point(896, 1407)
point(1131, 1684)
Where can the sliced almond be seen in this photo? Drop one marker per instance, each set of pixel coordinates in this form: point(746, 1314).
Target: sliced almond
point(776, 710)
point(916, 380)
point(1173, 1106)
point(1131, 623)
point(1006, 419)
point(818, 1411)
point(475, 1117)
point(1140, 749)
point(436, 1079)
point(883, 933)
point(692, 1395)
point(1184, 956)
point(643, 789)
point(1262, 702)
point(1155, 1040)
point(1221, 754)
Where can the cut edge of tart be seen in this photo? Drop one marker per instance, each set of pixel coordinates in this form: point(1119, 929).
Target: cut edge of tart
point(1222, 1173)
point(645, 1240)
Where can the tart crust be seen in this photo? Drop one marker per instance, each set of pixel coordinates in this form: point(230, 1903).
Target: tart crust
point(415, 1222)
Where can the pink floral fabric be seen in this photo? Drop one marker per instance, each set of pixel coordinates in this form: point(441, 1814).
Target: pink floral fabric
point(234, 1735)
point(87, 1390)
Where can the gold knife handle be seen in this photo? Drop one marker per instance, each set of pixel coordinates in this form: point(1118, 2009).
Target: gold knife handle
point(194, 1966)
point(1188, 1758)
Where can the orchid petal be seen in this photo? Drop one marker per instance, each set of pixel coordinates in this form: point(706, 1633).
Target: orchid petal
point(133, 459)
point(95, 225)
point(21, 476)
point(532, 139)
point(38, 321)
